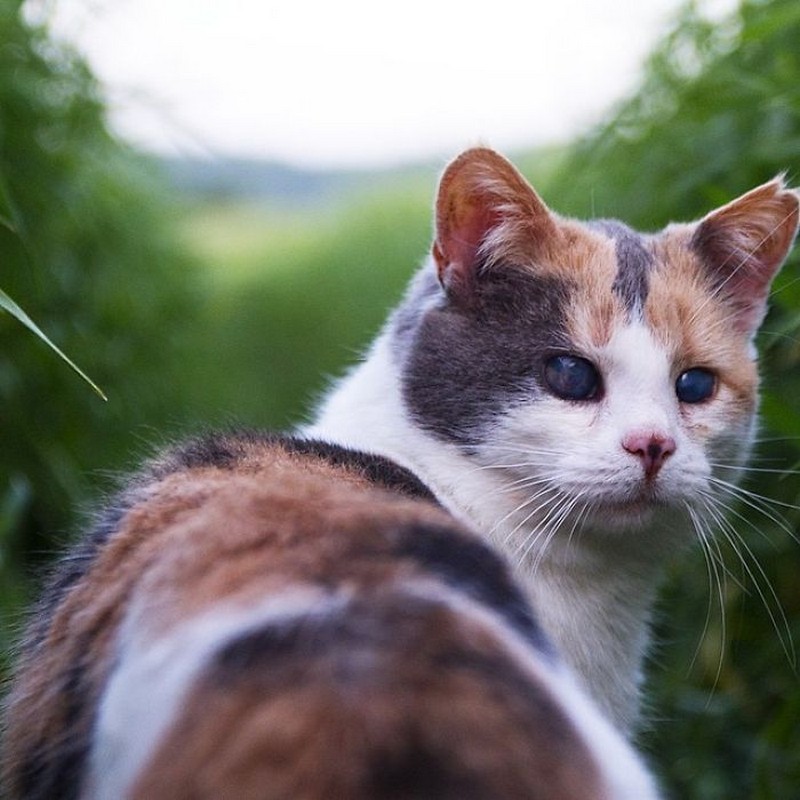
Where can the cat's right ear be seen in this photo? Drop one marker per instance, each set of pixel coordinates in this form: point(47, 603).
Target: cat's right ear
point(485, 212)
point(745, 242)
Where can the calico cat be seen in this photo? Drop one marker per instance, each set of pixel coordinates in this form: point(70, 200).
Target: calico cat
point(330, 616)
point(579, 393)
point(272, 618)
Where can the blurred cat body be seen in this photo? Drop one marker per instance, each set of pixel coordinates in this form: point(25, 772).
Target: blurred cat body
point(261, 617)
point(581, 394)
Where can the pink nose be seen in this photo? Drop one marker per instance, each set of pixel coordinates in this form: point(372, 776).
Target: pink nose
point(652, 449)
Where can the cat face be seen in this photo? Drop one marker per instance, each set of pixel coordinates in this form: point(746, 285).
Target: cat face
point(609, 375)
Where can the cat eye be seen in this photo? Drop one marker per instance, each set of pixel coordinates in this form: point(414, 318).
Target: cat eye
point(572, 377)
point(695, 385)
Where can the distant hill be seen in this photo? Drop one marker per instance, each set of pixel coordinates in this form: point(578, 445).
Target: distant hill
point(273, 182)
point(267, 181)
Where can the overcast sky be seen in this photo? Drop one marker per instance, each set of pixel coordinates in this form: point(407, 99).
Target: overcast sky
point(359, 82)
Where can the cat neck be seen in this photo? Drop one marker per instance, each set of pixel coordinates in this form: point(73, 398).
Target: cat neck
point(599, 616)
point(592, 600)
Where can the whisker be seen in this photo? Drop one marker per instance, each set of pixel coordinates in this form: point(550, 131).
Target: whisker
point(783, 288)
point(732, 487)
point(731, 509)
point(549, 490)
point(746, 468)
point(760, 504)
point(735, 539)
point(580, 519)
point(712, 570)
point(556, 504)
point(564, 511)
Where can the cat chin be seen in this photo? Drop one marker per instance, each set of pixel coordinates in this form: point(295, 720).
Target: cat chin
point(625, 517)
point(642, 515)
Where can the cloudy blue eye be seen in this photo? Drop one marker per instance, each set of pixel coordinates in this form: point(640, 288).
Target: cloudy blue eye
point(572, 378)
point(695, 385)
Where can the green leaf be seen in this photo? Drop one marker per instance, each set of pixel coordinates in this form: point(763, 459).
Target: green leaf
point(12, 308)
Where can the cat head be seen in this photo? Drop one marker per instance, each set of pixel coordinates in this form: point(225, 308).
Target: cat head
point(606, 371)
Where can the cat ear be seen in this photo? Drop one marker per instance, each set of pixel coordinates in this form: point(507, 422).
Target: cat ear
point(744, 244)
point(484, 209)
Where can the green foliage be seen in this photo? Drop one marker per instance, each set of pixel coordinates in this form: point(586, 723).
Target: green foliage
point(718, 112)
point(300, 300)
point(10, 307)
point(87, 250)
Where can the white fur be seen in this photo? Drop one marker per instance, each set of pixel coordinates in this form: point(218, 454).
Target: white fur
point(590, 571)
point(145, 693)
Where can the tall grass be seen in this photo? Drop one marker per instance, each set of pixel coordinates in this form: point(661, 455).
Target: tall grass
point(87, 250)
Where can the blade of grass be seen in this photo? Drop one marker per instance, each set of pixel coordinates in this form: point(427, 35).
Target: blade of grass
point(7, 304)
point(11, 219)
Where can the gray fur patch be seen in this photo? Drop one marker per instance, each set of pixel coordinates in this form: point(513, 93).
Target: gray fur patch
point(634, 262)
point(462, 366)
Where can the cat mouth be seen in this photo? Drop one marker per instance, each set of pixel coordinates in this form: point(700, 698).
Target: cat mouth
point(626, 514)
point(643, 500)
point(637, 505)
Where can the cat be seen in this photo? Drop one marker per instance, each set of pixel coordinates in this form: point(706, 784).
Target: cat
point(576, 392)
point(330, 614)
point(267, 617)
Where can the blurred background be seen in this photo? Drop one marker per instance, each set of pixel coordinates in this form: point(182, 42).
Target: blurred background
point(210, 208)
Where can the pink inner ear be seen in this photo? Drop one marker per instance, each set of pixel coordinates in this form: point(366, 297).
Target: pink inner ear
point(480, 192)
point(744, 245)
point(462, 231)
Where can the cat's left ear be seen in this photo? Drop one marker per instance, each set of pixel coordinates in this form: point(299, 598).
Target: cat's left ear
point(744, 244)
point(485, 212)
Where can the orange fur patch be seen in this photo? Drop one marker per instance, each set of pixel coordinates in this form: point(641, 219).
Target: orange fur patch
point(691, 323)
point(589, 263)
point(584, 261)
